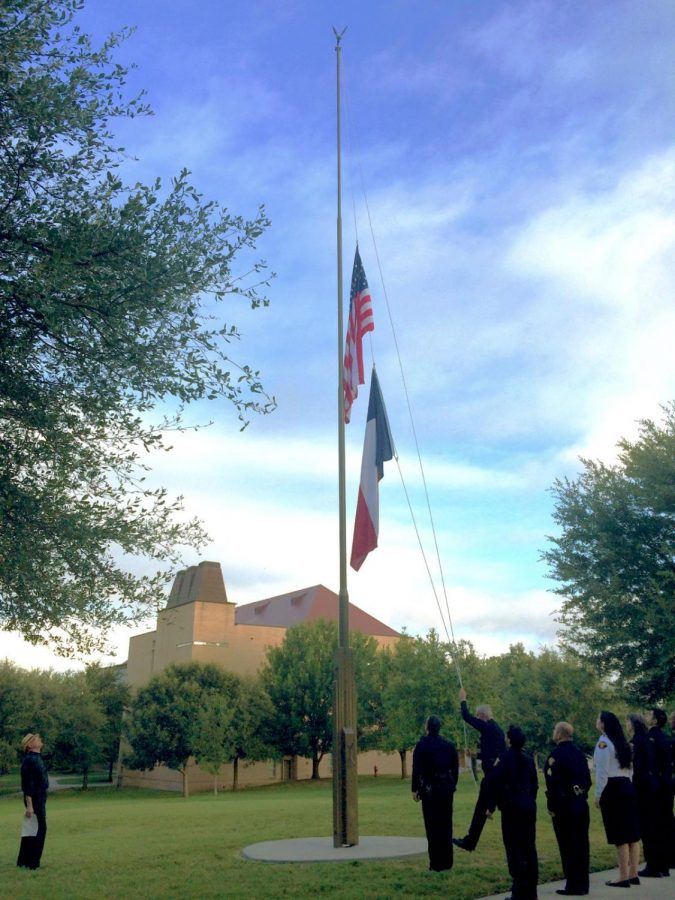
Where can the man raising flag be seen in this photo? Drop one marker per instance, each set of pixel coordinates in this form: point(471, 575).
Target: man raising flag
point(378, 447)
point(360, 321)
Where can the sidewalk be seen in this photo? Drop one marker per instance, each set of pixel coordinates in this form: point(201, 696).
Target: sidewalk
point(648, 889)
point(312, 849)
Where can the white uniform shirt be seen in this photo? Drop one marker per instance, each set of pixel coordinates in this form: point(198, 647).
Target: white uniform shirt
point(607, 765)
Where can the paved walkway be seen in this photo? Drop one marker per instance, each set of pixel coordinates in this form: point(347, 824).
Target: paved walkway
point(648, 889)
point(307, 850)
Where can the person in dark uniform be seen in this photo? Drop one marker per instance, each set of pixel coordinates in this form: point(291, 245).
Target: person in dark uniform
point(512, 785)
point(434, 779)
point(657, 849)
point(646, 783)
point(491, 745)
point(568, 781)
point(672, 770)
point(34, 784)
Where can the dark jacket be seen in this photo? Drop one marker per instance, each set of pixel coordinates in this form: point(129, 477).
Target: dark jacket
point(435, 765)
point(645, 764)
point(34, 778)
point(492, 741)
point(568, 778)
point(512, 783)
point(662, 757)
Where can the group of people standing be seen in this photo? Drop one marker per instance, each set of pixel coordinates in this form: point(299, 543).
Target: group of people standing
point(633, 790)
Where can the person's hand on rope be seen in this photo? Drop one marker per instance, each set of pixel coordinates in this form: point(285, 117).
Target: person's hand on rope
point(462, 694)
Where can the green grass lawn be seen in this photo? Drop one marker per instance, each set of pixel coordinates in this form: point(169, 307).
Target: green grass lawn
point(107, 843)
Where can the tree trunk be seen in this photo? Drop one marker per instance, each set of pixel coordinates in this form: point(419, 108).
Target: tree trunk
point(316, 759)
point(186, 791)
point(235, 773)
point(110, 770)
point(215, 784)
point(85, 780)
point(404, 763)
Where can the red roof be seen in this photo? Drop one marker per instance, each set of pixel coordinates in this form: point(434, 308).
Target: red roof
point(315, 602)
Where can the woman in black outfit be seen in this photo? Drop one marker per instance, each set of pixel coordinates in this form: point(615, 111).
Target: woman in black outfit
point(34, 784)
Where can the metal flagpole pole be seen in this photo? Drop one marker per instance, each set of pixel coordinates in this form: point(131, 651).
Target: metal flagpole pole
point(345, 801)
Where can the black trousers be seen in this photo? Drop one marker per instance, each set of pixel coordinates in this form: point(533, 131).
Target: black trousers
point(657, 833)
point(477, 820)
point(437, 812)
point(518, 833)
point(30, 851)
point(570, 824)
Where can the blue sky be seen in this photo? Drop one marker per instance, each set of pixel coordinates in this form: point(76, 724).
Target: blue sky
point(518, 161)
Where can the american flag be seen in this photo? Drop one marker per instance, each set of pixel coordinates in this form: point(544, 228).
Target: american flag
point(360, 321)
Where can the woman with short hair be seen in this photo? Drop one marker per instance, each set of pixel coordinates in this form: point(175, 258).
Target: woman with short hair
point(616, 797)
point(34, 784)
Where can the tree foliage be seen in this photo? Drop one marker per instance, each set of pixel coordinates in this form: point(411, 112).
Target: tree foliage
point(298, 677)
point(536, 690)
point(416, 683)
point(79, 715)
point(75, 741)
point(108, 310)
point(112, 695)
point(194, 710)
point(615, 561)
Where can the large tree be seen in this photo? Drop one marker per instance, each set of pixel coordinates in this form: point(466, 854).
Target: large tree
point(112, 696)
point(615, 560)
point(108, 311)
point(187, 710)
point(298, 678)
point(417, 682)
point(77, 739)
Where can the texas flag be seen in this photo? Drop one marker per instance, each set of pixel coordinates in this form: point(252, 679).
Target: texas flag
point(377, 448)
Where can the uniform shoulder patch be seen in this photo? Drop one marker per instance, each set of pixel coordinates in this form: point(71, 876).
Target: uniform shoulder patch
point(551, 760)
point(602, 745)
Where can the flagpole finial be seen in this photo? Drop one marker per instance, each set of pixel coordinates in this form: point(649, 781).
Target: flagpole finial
point(339, 34)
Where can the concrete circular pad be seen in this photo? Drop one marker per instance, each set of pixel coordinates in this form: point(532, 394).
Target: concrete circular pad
point(313, 849)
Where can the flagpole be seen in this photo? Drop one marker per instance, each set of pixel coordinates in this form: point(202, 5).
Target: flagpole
point(345, 810)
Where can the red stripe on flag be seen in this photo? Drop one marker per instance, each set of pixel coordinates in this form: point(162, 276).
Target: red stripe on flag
point(378, 447)
point(360, 322)
point(365, 535)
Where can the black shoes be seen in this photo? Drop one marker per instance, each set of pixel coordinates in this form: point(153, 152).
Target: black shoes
point(649, 873)
point(462, 844)
point(621, 884)
point(635, 880)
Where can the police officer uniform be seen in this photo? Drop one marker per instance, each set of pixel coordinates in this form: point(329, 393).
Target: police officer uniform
point(568, 781)
point(512, 785)
point(491, 744)
point(435, 771)
point(656, 835)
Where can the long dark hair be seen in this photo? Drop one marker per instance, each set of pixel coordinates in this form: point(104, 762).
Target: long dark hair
point(638, 724)
point(614, 732)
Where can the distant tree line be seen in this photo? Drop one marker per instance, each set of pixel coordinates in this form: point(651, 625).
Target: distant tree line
point(203, 712)
point(79, 714)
